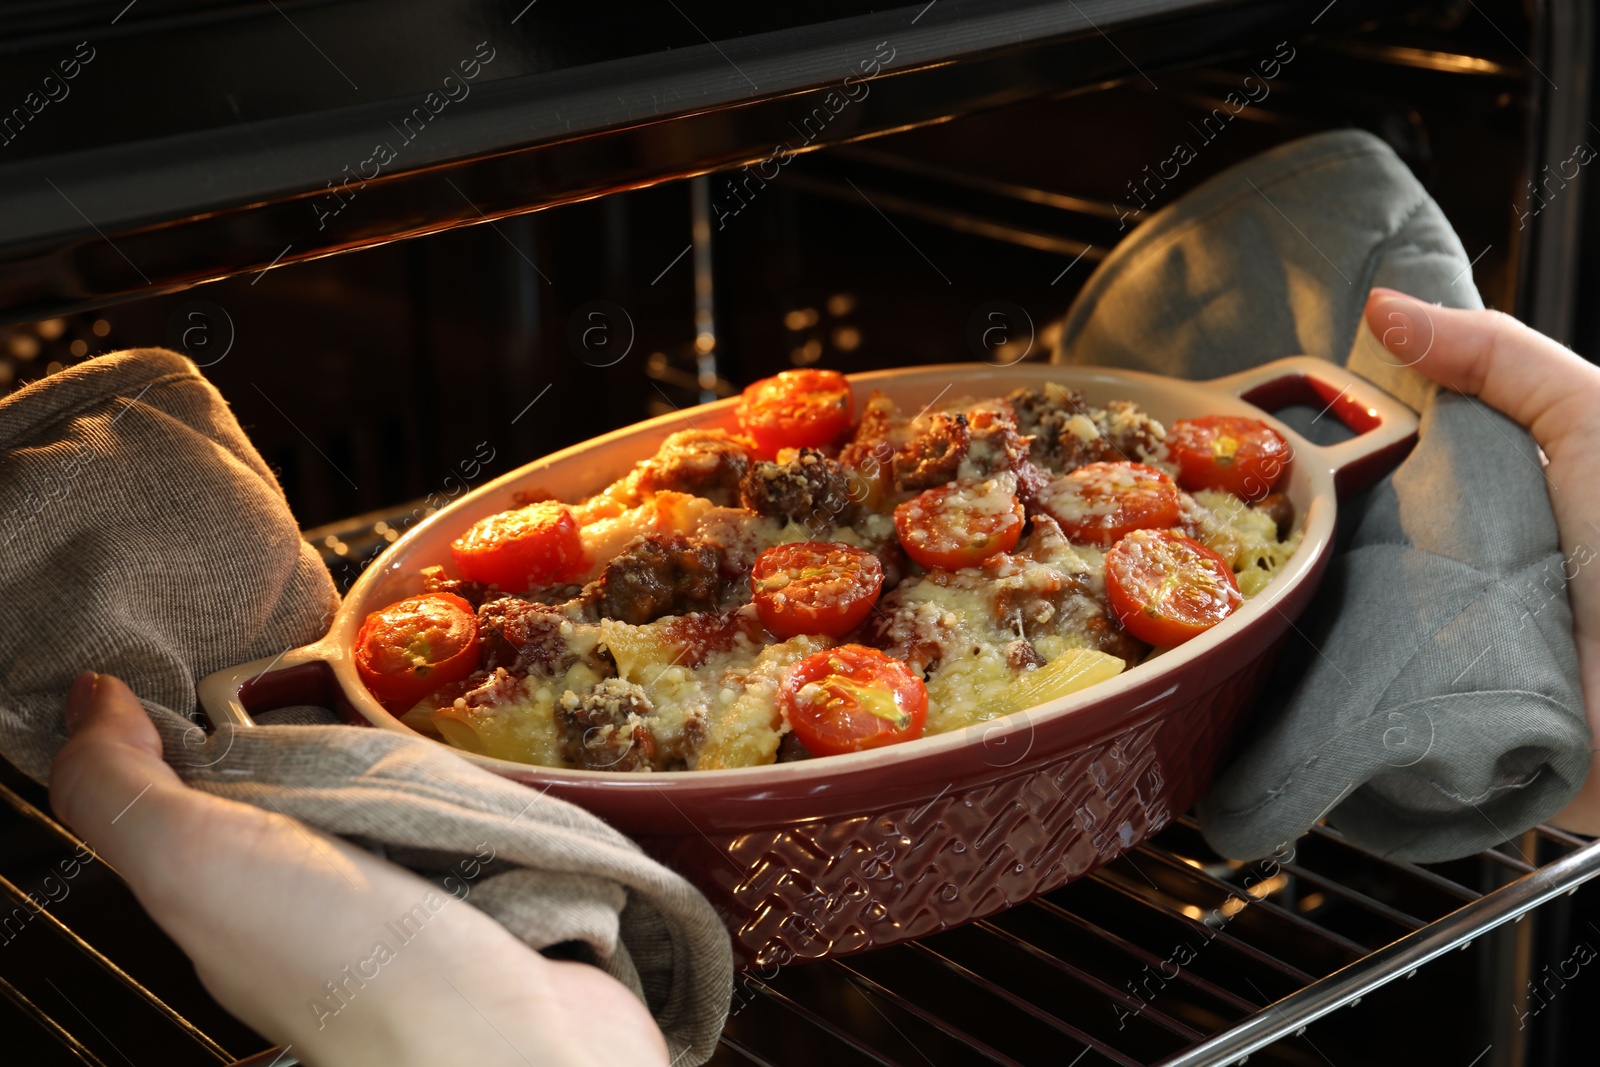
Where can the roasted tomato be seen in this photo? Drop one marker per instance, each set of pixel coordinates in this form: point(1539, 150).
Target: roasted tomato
point(796, 409)
point(1239, 455)
point(1165, 588)
point(407, 650)
point(960, 525)
point(1102, 502)
point(815, 587)
point(518, 550)
point(852, 698)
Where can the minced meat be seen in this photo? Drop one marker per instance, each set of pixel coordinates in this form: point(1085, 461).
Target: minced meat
point(523, 636)
point(1069, 433)
point(933, 457)
point(434, 580)
point(656, 575)
point(613, 728)
point(809, 489)
point(706, 463)
point(607, 729)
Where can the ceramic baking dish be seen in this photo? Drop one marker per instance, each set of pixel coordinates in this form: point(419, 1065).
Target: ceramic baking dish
point(837, 855)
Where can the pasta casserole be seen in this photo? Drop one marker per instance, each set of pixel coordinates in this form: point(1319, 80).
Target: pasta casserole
point(825, 579)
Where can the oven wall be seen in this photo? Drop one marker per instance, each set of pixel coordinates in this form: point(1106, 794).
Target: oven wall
point(380, 378)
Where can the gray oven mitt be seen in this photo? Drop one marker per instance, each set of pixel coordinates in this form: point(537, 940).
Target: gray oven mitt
point(147, 539)
point(1440, 711)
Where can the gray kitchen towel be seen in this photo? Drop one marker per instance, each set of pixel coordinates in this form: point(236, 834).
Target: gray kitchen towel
point(1439, 711)
point(147, 539)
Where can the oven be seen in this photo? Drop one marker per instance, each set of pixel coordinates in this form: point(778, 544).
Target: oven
point(360, 218)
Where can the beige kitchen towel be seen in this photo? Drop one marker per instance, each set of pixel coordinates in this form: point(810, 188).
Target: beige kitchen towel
point(146, 538)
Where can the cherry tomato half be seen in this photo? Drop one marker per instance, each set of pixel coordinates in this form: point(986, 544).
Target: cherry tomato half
point(521, 549)
point(796, 409)
point(852, 698)
point(1239, 455)
point(1165, 588)
point(815, 587)
point(960, 525)
point(408, 649)
point(1101, 502)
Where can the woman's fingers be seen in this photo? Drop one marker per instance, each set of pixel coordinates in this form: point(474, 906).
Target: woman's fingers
point(1509, 366)
point(313, 941)
point(110, 765)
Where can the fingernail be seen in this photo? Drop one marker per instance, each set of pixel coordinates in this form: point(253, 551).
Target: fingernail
point(1391, 294)
point(1402, 325)
point(80, 698)
point(1398, 302)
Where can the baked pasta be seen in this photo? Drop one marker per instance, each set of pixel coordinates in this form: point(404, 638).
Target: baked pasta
point(824, 580)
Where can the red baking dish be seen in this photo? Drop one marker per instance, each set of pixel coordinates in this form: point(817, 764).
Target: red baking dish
point(832, 856)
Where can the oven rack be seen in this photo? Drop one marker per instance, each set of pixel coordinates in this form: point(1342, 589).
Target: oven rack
point(957, 996)
point(1317, 941)
point(1167, 957)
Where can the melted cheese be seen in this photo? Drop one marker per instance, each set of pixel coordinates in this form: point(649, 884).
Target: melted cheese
point(968, 501)
point(1245, 537)
point(1083, 428)
point(1064, 498)
point(992, 496)
point(521, 728)
point(732, 693)
point(970, 681)
point(746, 726)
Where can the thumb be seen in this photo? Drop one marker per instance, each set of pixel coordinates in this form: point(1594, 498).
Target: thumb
point(1511, 367)
point(111, 760)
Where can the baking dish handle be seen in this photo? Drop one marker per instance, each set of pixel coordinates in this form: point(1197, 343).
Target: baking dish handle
point(298, 676)
point(1385, 429)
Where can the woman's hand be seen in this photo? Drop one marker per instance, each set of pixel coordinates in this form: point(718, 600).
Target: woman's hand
point(1556, 395)
point(279, 919)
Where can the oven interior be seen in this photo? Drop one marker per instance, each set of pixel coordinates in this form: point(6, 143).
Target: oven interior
point(382, 382)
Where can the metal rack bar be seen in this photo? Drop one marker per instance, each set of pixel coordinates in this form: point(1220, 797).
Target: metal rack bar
point(946, 217)
point(1433, 878)
point(1355, 896)
point(869, 985)
point(1298, 1010)
point(272, 1057)
point(48, 1023)
point(34, 815)
point(1134, 952)
point(1176, 867)
point(744, 1052)
point(1561, 837)
point(1000, 992)
point(1105, 989)
point(811, 1016)
point(116, 971)
point(1521, 866)
point(1244, 948)
point(108, 965)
